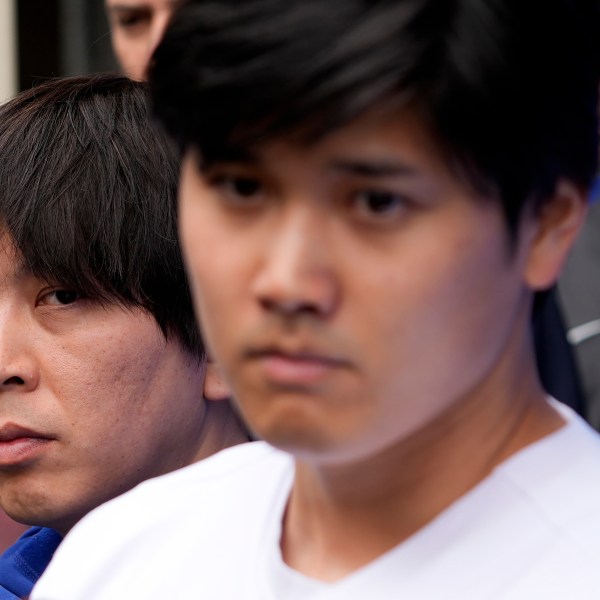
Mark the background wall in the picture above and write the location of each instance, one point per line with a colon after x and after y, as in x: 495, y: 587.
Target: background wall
x: 61, y: 37
x: 46, y: 38
x: 8, y: 49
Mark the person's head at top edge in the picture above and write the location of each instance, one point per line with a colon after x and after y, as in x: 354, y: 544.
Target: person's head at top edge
x: 104, y: 376
x: 383, y: 186
x: 137, y: 27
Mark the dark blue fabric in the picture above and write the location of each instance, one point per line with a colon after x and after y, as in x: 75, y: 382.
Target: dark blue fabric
x: 25, y: 561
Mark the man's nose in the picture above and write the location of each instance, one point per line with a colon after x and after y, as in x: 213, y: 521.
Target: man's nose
x: 18, y: 368
x: 297, y: 274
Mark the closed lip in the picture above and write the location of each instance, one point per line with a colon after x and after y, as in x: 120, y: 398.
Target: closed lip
x: 300, y: 355
x: 296, y: 369
x: 10, y: 432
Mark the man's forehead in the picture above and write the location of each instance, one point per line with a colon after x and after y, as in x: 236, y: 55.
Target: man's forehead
x: 13, y: 267
x: 8, y: 247
x: 379, y: 129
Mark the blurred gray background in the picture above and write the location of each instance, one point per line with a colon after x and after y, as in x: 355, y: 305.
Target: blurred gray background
x: 45, y: 38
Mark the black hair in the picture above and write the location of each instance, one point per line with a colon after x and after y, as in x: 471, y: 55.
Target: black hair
x: 508, y: 88
x: 88, y: 196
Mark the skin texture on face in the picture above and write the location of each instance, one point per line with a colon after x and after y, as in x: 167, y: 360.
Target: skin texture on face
x: 137, y: 27
x: 357, y: 292
x: 94, y: 399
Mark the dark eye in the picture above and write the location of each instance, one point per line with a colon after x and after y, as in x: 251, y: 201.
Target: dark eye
x: 378, y: 204
x: 239, y: 190
x: 243, y: 186
x: 66, y: 296
x: 59, y: 297
x: 131, y: 19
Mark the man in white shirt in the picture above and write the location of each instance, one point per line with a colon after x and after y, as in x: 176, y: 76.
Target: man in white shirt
x: 384, y: 187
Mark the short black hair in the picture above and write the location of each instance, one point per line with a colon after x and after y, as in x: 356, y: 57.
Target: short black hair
x: 88, y: 194
x: 508, y: 88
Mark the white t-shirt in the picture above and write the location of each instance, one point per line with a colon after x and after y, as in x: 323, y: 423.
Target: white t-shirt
x: 530, y: 530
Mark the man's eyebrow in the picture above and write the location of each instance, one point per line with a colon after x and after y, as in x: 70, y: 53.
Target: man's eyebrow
x: 228, y: 156
x: 120, y: 8
x: 125, y: 7
x: 373, y: 167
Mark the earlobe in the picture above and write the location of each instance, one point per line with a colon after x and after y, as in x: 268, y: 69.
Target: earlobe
x: 215, y: 386
x: 555, y: 230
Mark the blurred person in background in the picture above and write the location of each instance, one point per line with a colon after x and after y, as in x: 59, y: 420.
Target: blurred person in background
x: 104, y: 378
x: 137, y: 26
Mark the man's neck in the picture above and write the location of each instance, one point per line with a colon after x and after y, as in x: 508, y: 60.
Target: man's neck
x: 222, y: 428
x: 388, y: 497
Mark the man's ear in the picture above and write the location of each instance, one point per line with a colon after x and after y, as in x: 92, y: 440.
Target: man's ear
x: 215, y: 386
x: 555, y: 229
